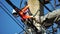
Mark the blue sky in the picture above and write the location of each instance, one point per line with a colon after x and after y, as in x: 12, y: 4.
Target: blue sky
x: 7, y: 24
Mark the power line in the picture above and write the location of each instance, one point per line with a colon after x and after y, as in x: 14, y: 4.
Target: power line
x: 55, y: 4
x: 7, y: 9
x: 10, y: 12
x: 21, y: 3
x: 45, y: 6
x: 52, y: 6
x: 12, y: 18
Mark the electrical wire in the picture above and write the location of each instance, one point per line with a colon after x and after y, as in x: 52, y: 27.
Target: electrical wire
x: 13, y: 18
x: 55, y: 18
x: 49, y: 11
x: 45, y: 6
x: 55, y: 4
x: 5, y: 7
x: 58, y: 5
x: 21, y: 3
x: 11, y: 13
x: 20, y: 32
x: 52, y: 6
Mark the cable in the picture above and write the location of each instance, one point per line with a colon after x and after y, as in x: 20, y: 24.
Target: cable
x: 55, y: 4
x: 21, y: 3
x: 45, y: 6
x: 58, y: 5
x: 20, y: 32
x: 12, y: 18
x: 13, y: 6
x: 48, y: 10
x: 11, y: 13
x: 52, y: 6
